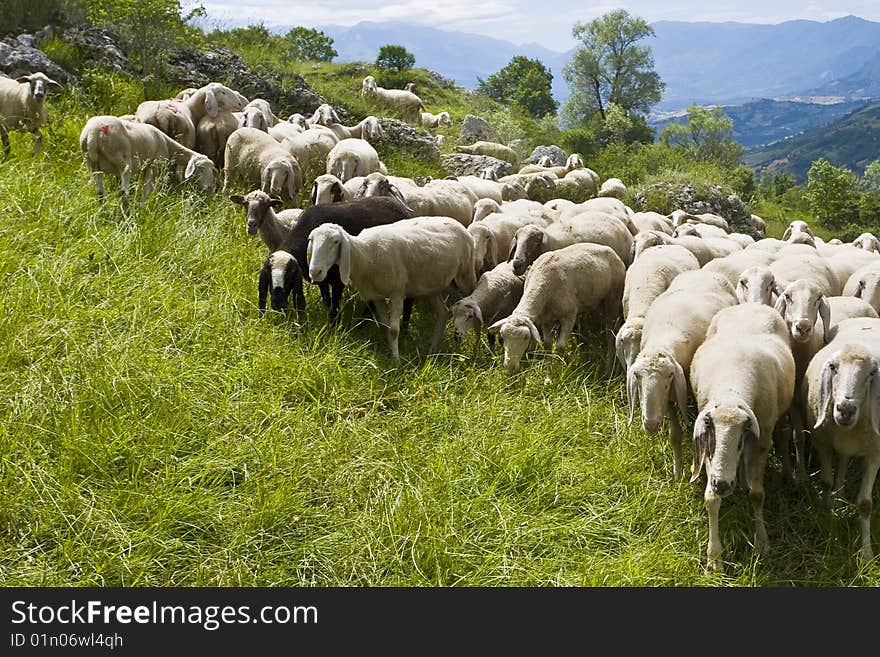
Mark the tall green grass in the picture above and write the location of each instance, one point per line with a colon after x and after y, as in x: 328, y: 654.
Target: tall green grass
x: 154, y: 430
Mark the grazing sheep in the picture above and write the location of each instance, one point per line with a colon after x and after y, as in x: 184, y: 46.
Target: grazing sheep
x: 733, y: 265
x: 352, y: 157
x: 274, y: 228
x: 413, y: 258
x: 559, y: 287
x: 865, y: 284
x: 121, y: 148
x: 743, y: 380
x: 758, y: 224
x: 614, y: 188
x: 868, y: 242
x: 646, y: 279
x: 178, y: 119
x: 645, y: 221
x: 405, y: 103
x: 253, y: 156
x: 285, y: 130
x: 282, y: 275
x: 328, y: 188
x: 493, y: 236
x: 842, y: 391
x: 531, y: 241
x: 492, y: 149
x: 440, y: 198
x: 353, y: 216
x: 704, y: 249
x: 311, y: 148
x: 433, y: 121
x: 495, y: 296
x: 369, y: 130
x: 258, y: 114
x: 213, y: 132
x: 545, y: 165
x: 23, y: 107
x: 674, y: 327
x: 679, y: 217
x: 482, y: 188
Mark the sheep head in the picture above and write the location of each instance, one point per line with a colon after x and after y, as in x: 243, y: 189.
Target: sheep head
x: 868, y: 289
x: 201, y: 169
x: 868, y: 242
x: 517, y: 333
x: 796, y: 227
x: 279, y: 274
x: 757, y: 285
x: 801, y: 304
x: 329, y: 245
x: 650, y: 379
x: 628, y: 340
x: 721, y: 433
x: 847, y: 381
x: 484, y: 207
x: 527, y: 245
x: 466, y: 316
x: 377, y: 184
x: 217, y: 98
x: 327, y: 189
x: 38, y: 83
x: 256, y: 205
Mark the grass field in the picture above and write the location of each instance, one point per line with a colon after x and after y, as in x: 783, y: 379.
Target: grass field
x: 155, y: 431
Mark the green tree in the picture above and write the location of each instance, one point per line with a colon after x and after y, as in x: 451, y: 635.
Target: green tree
x: 617, y: 123
x: 610, y: 67
x: 304, y: 44
x: 832, y: 193
x: 395, y: 58
x: 774, y: 184
x: 707, y: 135
x: 871, y: 177
x: 524, y: 83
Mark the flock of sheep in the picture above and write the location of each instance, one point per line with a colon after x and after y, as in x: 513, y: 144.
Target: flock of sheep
x: 773, y: 339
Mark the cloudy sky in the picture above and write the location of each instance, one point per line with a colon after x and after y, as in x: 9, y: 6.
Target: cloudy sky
x: 547, y: 22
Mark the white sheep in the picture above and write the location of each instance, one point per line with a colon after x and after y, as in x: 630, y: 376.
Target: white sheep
x: 252, y: 155
x: 679, y: 217
x: 796, y: 227
x: 758, y: 224
x: 646, y: 279
x: 842, y: 392
x: 645, y: 221
x: 185, y: 94
x: 178, y: 119
x: 494, y: 234
x: 491, y: 149
x: 405, y: 103
x: 756, y: 284
x: 273, y: 227
x: 213, y: 132
x: 847, y: 259
x: 258, y: 114
x: 369, y: 130
x: 614, y: 188
x: 23, y: 107
x: 495, y: 296
x: 705, y: 231
x: 559, y: 287
x: 311, y: 148
x: 410, y: 259
x: 445, y: 198
x: 353, y: 157
x: 121, y: 148
x: 674, y: 327
x: 868, y: 242
x: 285, y: 130
x: 704, y: 249
x: 865, y: 284
x: 743, y: 378
x: 433, y: 121
x: 545, y: 165
x: 732, y: 266
x: 324, y: 115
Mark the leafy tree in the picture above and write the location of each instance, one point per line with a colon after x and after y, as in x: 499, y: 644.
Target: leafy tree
x: 871, y: 177
x: 611, y: 67
x: 774, y: 184
x: 832, y: 193
x: 524, y: 83
x: 707, y: 135
x: 304, y: 44
x: 617, y: 123
x: 395, y: 58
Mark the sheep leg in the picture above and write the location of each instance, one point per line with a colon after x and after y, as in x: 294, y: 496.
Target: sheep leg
x: 715, y: 549
x: 125, y: 181
x: 547, y: 334
x: 98, y: 177
x: 565, y: 328
x: 38, y: 140
x: 324, y: 287
x: 336, y: 289
x: 442, y: 313
x: 4, y: 137
x: 393, y: 323
x: 756, y: 464
x: 797, y: 427
x: 147, y: 184
x: 872, y: 463
x: 826, y: 473
x: 675, y: 439
x: 781, y: 438
x: 407, y: 313
x: 610, y: 353
x: 840, y: 474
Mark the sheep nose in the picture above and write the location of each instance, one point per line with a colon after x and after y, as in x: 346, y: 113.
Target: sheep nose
x: 801, y: 329
x: 651, y: 426
x: 721, y: 487
x: 845, y: 413
x: 316, y: 274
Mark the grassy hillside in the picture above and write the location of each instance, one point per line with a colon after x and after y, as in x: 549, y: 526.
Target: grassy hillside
x: 155, y: 431
x: 852, y: 141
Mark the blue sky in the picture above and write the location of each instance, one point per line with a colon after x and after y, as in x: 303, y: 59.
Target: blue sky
x: 547, y: 22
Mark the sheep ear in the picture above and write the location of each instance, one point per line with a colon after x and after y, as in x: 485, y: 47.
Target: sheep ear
x: 265, y: 274
x: 276, y: 202
x: 632, y: 391
x: 826, y: 385
x: 512, y: 251
x: 241, y: 120
x: 780, y: 304
x: 345, y: 259
x: 497, y: 326
x: 741, y: 291
x: 291, y: 182
x: 679, y: 384
x: 536, y: 336
x: 825, y: 314
x: 190, y: 167
x: 703, y: 429
x: 264, y: 179
x: 315, y: 193
x: 478, y: 314
x: 874, y: 400
x: 335, y: 116
x: 23, y: 78
x: 399, y: 196
x: 211, y: 103
x: 493, y: 250
x: 336, y: 191
x: 776, y: 289
x: 237, y: 198
x: 754, y: 427
x: 53, y: 83
x: 786, y: 234
x: 859, y: 290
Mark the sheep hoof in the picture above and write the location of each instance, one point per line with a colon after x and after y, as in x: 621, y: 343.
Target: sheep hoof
x: 715, y: 565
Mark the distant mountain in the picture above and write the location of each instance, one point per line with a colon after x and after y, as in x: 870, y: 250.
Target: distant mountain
x: 760, y: 123
x: 864, y: 83
x: 852, y: 141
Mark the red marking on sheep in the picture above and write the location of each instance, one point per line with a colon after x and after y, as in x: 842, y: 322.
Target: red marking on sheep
x: 105, y: 129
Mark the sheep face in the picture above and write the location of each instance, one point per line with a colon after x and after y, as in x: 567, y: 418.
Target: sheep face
x: 466, y: 316
x: 253, y: 117
x: 646, y: 240
x: 372, y: 129
x: 869, y: 289
x: 443, y: 118
x: 488, y: 174
x: 484, y: 207
x: 848, y: 381
x: 801, y: 304
x: 220, y: 98
x: 756, y: 285
x: 517, y: 333
x: 484, y: 247
x: 324, y: 115
x: 802, y: 238
x: 298, y: 119
x: 513, y: 192
x: 868, y: 242
x: 720, y: 436
x: 628, y: 340
x: 368, y: 85
x: 545, y: 161
x: 573, y: 162
x: 376, y: 184
x: 649, y: 380
x: 527, y: 245
x: 201, y: 169
x: 327, y: 189
x: 279, y: 275
x: 256, y: 205
x: 38, y: 84
x: 328, y: 246
x: 685, y: 229
x: 796, y: 227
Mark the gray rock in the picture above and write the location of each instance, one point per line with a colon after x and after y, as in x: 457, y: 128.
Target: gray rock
x: 17, y: 59
x: 557, y: 156
x: 99, y: 45
x: 463, y: 164
x: 473, y: 128
x: 27, y: 40
x: 401, y: 136
x: 664, y: 197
